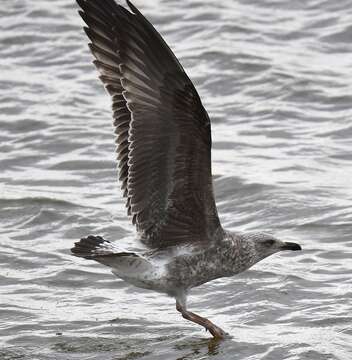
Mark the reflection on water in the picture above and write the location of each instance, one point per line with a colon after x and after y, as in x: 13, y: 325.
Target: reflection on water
x: 275, y: 78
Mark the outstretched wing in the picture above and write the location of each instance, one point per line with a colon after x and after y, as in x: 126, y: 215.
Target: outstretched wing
x: 162, y: 128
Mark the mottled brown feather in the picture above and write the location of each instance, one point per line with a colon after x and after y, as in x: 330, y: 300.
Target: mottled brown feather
x: 163, y: 131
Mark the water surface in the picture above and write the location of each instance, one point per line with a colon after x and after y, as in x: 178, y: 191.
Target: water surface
x: 275, y: 77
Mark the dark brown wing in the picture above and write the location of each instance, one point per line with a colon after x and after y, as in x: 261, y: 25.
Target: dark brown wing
x: 163, y: 130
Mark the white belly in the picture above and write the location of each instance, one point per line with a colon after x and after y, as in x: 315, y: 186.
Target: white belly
x: 142, y: 273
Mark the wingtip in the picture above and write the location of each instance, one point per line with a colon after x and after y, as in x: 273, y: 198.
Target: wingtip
x: 132, y: 7
x: 87, y: 30
x: 81, y: 3
x: 83, y: 16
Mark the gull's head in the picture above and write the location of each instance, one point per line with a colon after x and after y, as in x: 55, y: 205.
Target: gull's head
x: 265, y: 245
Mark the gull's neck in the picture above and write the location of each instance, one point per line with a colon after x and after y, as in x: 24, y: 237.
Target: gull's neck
x: 244, y: 254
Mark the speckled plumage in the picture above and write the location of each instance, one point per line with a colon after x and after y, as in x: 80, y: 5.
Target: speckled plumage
x: 177, y: 269
x: 164, y: 159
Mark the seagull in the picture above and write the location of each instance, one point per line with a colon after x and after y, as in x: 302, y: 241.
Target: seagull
x: 164, y: 162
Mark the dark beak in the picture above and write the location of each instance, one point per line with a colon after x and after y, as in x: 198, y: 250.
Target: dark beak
x: 291, y: 246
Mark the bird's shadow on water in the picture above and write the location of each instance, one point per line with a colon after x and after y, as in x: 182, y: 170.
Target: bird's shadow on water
x: 124, y: 338
x: 194, y: 347
x: 167, y: 347
x: 201, y: 348
x: 175, y: 344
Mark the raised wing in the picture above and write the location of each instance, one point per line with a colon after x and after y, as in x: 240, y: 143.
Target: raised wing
x: 162, y: 128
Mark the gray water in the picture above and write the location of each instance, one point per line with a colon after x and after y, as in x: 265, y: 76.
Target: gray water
x: 276, y: 79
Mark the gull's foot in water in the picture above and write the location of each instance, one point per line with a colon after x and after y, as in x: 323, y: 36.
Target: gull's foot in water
x: 217, y: 332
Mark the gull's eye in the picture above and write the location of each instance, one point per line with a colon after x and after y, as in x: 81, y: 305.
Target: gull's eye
x: 269, y: 242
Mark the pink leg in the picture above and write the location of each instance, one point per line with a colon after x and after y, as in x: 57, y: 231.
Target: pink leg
x: 213, y: 329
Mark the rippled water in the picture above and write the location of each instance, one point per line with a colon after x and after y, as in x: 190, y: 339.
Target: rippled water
x: 276, y: 79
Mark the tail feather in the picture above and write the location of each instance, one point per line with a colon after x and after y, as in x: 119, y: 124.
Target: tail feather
x: 105, y: 252
x: 93, y: 246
